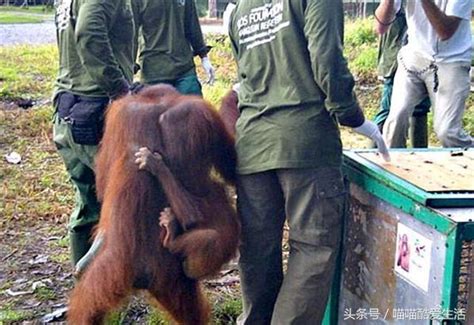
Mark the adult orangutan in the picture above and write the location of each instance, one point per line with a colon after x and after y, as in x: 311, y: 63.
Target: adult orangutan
x: 177, y: 141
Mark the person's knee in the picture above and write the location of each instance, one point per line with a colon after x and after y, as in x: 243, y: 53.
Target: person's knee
x: 401, y: 113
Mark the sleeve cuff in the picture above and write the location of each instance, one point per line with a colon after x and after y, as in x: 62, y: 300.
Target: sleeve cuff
x: 121, y: 90
x: 352, y: 119
x: 202, y: 51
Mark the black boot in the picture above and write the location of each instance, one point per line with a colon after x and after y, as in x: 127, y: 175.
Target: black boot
x: 419, y: 131
x: 86, y: 260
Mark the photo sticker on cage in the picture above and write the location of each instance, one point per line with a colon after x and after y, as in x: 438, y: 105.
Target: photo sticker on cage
x: 413, y: 257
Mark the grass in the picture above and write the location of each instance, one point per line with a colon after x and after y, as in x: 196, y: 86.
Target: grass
x: 15, y: 18
x: 226, y: 309
x: 360, y: 49
x: 11, y: 316
x: 31, y: 14
x: 43, y: 10
x: 36, y: 195
x: 226, y: 70
x: 27, y: 72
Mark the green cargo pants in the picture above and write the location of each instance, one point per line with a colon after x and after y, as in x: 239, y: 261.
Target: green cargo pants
x: 187, y: 84
x: 313, y: 202
x: 79, y: 161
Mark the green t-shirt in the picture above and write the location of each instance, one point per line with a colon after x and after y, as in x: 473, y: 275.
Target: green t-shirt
x: 170, y: 37
x: 390, y: 44
x: 294, y: 84
x: 95, y: 40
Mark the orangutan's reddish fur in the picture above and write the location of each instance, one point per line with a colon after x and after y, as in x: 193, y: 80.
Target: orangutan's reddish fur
x: 229, y: 111
x: 192, y: 140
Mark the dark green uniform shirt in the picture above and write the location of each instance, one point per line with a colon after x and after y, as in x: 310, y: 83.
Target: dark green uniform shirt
x: 171, y: 36
x: 294, y: 84
x: 95, y: 40
x: 390, y: 44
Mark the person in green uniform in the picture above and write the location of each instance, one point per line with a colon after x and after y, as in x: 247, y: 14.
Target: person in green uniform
x: 169, y: 37
x: 95, y: 41
x: 295, y: 88
x: 390, y: 43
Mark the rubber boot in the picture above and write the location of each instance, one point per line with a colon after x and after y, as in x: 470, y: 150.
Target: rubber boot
x: 419, y: 131
x: 86, y: 260
x: 80, y: 243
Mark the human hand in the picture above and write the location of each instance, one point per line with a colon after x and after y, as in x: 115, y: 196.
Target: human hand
x: 370, y: 130
x: 136, y: 87
x: 207, y: 66
x: 122, y: 91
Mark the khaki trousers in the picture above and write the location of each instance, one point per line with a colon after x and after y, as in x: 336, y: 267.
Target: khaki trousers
x: 448, y: 101
x: 313, y: 202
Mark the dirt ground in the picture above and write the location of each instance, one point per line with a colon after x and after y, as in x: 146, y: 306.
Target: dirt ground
x: 36, y: 277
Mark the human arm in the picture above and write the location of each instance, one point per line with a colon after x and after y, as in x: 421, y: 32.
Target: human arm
x: 137, y: 18
x: 94, y: 47
x: 330, y: 70
x: 444, y: 25
x: 385, y: 15
x: 331, y: 74
x: 195, y: 38
x: 193, y: 30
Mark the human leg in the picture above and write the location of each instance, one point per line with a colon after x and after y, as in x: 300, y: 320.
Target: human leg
x: 188, y: 85
x: 384, y: 107
x: 315, y: 205
x: 261, y: 207
x: 408, y: 89
x: 449, y: 104
x: 79, y: 162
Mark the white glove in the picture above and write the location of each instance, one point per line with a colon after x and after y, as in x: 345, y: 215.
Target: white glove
x: 370, y: 130
x: 207, y: 66
x: 236, y: 87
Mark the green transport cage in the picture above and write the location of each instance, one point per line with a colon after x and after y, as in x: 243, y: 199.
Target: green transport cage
x: 408, y: 252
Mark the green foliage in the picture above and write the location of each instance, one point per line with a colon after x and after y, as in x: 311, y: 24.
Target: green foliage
x: 226, y: 310
x: 152, y: 317
x: 157, y: 317
x: 364, y: 63
x: 226, y: 69
x: 468, y: 120
x: 202, y: 7
x: 359, y: 32
x: 8, y: 316
x: 44, y: 293
x: 361, y: 48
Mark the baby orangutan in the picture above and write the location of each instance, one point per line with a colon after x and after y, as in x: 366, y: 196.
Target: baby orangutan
x: 197, y: 245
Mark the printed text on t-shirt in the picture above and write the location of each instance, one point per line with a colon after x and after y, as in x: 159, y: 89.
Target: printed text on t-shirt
x: 261, y: 25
